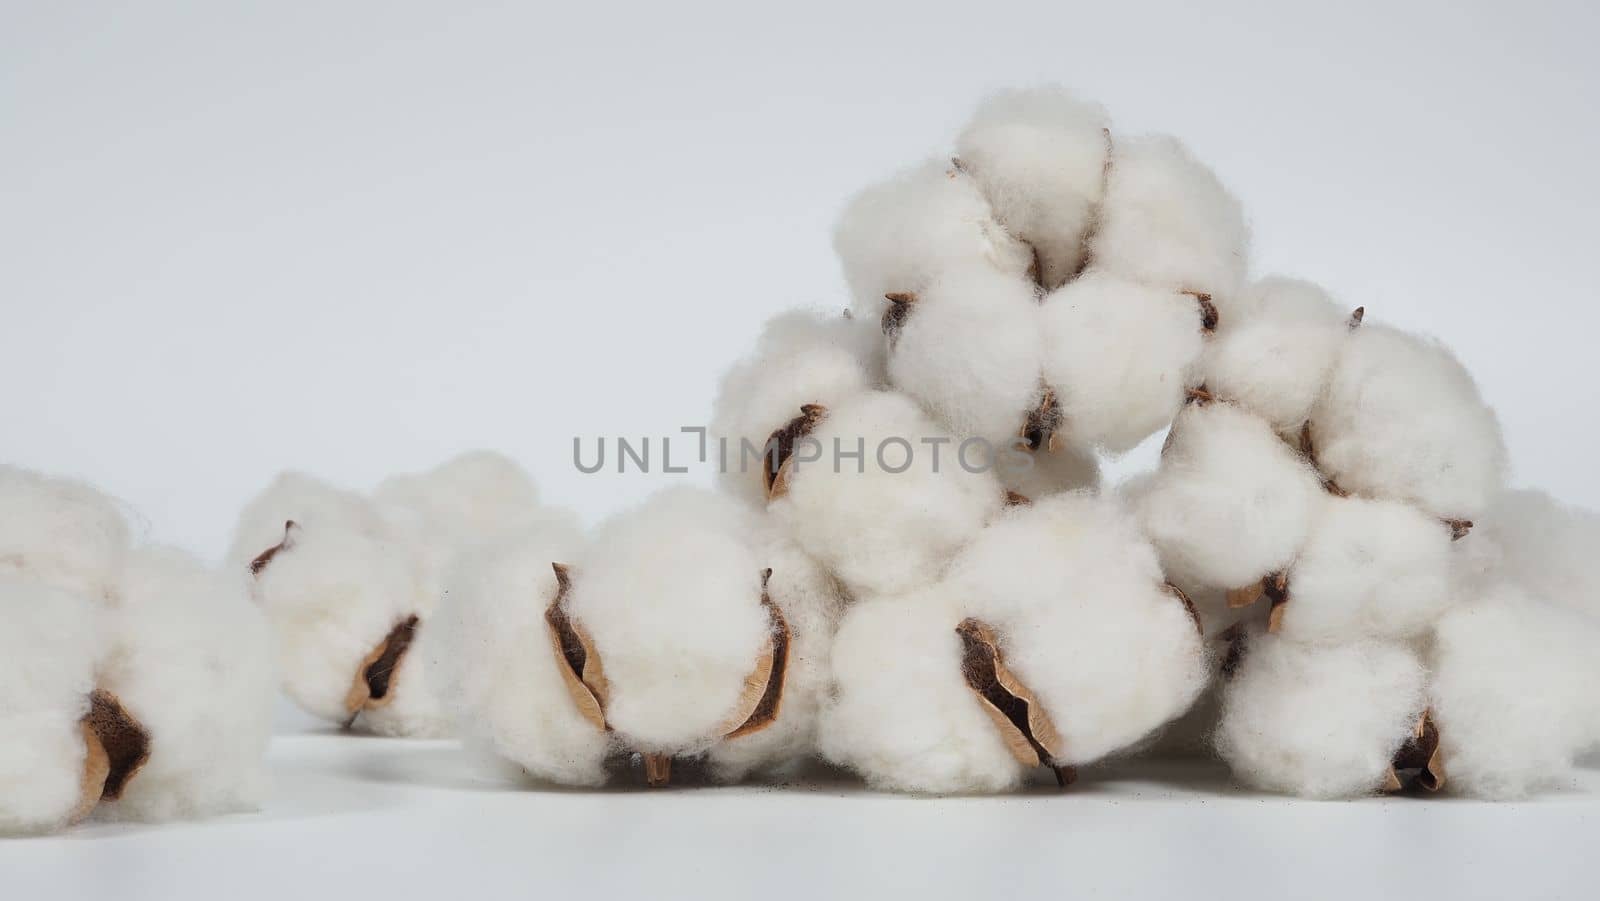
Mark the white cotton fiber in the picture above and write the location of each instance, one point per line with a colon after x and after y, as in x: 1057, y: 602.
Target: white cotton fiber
x: 878, y: 530
x: 1076, y: 596
x: 1041, y: 473
x: 902, y: 714
x: 48, y: 651
x: 1319, y: 721
x: 506, y: 684
x: 1119, y: 356
x: 970, y: 351
x: 1039, y: 155
x: 1230, y: 503
x: 332, y: 593
x: 1369, y: 569
x: 1275, y: 361
x: 191, y: 661
x: 1168, y: 222
x: 671, y: 593
x: 1513, y: 694
x: 476, y: 493
x: 897, y: 236
x: 60, y: 532
x: 801, y: 358
x: 1402, y: 419
x: 1534, y: 541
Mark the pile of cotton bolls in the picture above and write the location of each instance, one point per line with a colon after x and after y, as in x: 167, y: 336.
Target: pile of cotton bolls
x: 1317, y: 499
x: 135, y: 683
x: 350, y: 583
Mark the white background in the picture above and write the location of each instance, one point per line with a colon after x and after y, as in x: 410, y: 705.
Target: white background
x: 357, y: 238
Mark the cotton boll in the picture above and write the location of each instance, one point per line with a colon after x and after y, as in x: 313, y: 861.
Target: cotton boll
x: 1275, y: 361
x: 810, y: 602
x: 505, y: 684
x: 1119, y: 357
x: 902, y: 715
x: 802, y: 358
x: 477, y: 493
x: 1402, y: 419
x: 1532, y: 540
x: 1076, y: 596
x: 1230, y: 503
x: 1040, y: 157
x: 48, y: 651
x: 1375, y: 569
x: 191, y: 661
x: 339, y: 582
x: 970, y: 350
x: 1513, y: 694
x: 1168, y: 222
x: 1319, y: 721
x: 878, y: 530
x: 61, y: 532
x: 671, y: 593
x: 897, y: 236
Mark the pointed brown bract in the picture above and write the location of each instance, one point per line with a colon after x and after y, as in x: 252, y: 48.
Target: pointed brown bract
x: 1458, y: 528
x: 1418, y: 763
x: 1023, y: 724
x: 1013, y: 499
x: 762, y: 697
x: 1244, y: 597
x: 657, y: 769
x: 1188, y: 604
x: 1356, y: 316
x: 776, y: 465
x: 894, y: 315
x: 116, y: 747
x: 1042, y: 427
x: 1209, y: 317
x: 1276, y: 589
x: 375, y: 676
x: 576, y: 658
x: 266, y: 556
x: 1199, y: 395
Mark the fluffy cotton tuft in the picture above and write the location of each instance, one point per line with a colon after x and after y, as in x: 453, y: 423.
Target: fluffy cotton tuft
x: 897, y: 236
x: 801, y: 358
x: 476, y: 493
x: 1230, y: 503
x: 191, y: 661
x: 1039, y: 155
x: 1167, y: 221
x: 1044, y: 472
x: 1275, y: 361
x: 881, y: 531
x: 60, y: 532
x: 1532, y: 540
x: 970, y: 352
x: 1119, y: 356
x: 1319, y: 721
x: 902, y: 714
x: 1369, y: 569
x: 1075, y: 593
x: 671, y: 593
x: 1402, y: 419
x: 1513, y: 694
x: 506, y: 686
x: 48, y: 651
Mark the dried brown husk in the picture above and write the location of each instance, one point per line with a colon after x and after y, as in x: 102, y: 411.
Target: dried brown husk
x: 116, y: 747
x: 1418, y: 764
x: 371, y: 688
x: 779, y: 460
x: 896, y: 313
x: 1042, y: 427
x: 265, y: 557
x: 1188, y: 605
x: 762, y: 698
x: 576, y: 657
x: 1022, y: 722
x: 1209, y: 317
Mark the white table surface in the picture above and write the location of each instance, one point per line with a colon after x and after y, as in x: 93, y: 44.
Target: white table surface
x: 355, y: 817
